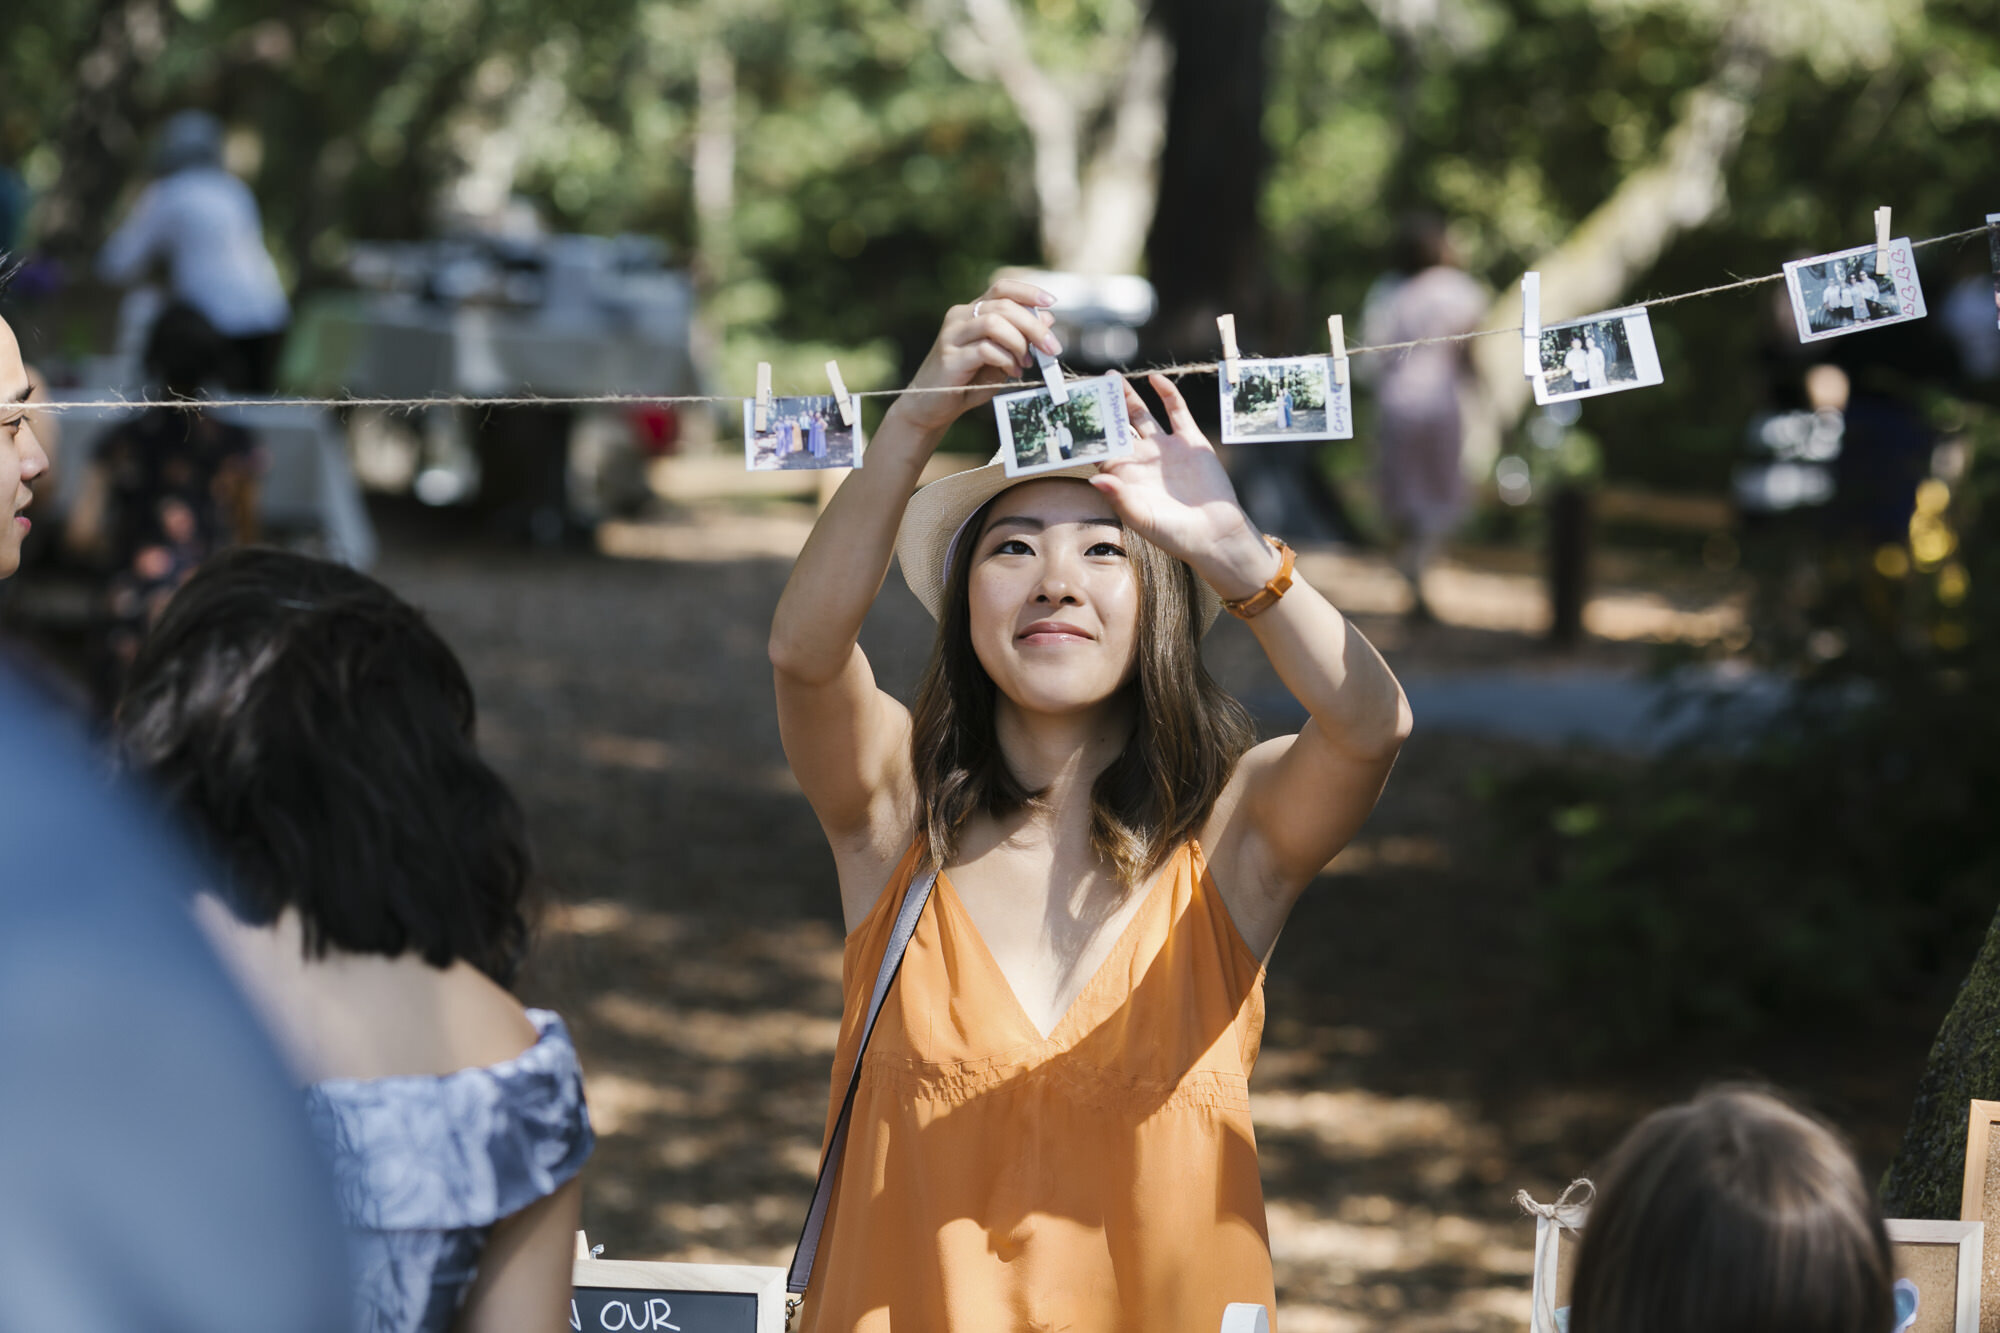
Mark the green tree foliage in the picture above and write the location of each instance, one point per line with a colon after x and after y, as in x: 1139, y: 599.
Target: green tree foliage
x: 876, y: 181
x: 1837, y: 860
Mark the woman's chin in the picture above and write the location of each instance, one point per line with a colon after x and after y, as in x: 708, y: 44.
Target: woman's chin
x: 1060, y: 699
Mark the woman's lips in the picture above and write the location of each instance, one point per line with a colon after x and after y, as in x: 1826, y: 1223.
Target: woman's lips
x: 1052, y: 632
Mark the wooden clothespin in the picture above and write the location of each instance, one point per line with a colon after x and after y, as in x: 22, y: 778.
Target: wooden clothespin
x: 1336, y: 333
x: 763, y: 396
x: 1531, y: 324
x: 1882, y: 229
x: 582, y: 1246
x: 1052, y: 375
x: 840, y: 395
x: 1230, y: 355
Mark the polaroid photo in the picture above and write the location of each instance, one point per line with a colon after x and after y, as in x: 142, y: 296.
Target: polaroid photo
x: 1842, y: 293
x: 1993, y: 244
x: 802, y: 434
x: 1038, y: 434
x: 1296, y: 398
x: 1605, y: 353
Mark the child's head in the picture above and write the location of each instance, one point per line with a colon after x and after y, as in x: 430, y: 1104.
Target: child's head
x: 1732, y: 1213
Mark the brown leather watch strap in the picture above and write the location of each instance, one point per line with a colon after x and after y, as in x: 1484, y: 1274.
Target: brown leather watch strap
x: 1267, y: 596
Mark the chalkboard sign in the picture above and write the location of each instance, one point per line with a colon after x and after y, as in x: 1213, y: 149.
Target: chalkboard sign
x: 618, y: 1296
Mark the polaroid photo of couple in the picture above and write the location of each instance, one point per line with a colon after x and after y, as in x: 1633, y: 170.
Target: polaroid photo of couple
x: 1038, y: 434
x: 1842, y: 293
x: 1605, y: 353
x: 801, y: 434
x: 1296, y: 398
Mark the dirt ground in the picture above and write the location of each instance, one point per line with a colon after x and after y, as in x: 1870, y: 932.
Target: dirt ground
x: 1414, y: 1075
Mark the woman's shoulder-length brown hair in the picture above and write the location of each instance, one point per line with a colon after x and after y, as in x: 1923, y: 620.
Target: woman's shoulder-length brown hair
x: 1187, y: 734
x: 1732, y: 1213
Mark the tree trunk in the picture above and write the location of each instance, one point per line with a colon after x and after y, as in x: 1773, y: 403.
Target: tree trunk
x: 1683, y: 189
x: 1928, y: 1172
x: 1097, y: 138
x: 1205, y: 252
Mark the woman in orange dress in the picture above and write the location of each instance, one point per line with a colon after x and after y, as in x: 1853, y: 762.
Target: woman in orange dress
x: 1052, y: 1129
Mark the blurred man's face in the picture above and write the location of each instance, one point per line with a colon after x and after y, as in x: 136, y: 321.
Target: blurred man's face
x: 21, y: 456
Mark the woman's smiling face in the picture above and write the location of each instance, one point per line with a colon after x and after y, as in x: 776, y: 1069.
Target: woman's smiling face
x: 1053, y: 597
x: 21, y: 456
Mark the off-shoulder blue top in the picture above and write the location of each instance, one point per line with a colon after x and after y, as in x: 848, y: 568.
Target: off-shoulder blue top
x: 424, y: 1166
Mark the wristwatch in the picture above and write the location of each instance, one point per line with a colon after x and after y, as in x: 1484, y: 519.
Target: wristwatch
x: 1262, y: 600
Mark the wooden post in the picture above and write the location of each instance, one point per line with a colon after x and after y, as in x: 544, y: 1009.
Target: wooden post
x: 1569, y: 562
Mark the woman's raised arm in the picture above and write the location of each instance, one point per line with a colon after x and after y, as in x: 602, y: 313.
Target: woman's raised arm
x: 847, y: 741
x: 1296, y: 800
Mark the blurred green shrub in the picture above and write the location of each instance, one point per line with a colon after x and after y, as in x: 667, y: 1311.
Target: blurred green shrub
x: 1842, y: 855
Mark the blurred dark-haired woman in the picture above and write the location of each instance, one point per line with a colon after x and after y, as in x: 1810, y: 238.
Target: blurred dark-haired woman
x: 318, y: 735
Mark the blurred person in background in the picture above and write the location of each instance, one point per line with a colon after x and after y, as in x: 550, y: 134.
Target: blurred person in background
x: 203, y: 224
x: 1733, y: 1213
x: 317, y: 734
x: 1420, y: 429
x: 166, y: 489
x: 156, y: 1172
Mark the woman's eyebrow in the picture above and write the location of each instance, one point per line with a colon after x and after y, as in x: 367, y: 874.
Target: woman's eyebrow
x: 1016, y: 521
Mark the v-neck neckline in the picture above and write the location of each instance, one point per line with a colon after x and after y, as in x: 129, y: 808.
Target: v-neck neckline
x: 1118, y: 947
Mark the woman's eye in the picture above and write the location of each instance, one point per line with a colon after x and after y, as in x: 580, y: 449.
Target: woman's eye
x: 1106, y: 548
x: 1013, y: 546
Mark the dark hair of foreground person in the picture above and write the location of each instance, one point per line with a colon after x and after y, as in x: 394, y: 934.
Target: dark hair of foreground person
x: 1732, y: 1213
x: 317, y: 734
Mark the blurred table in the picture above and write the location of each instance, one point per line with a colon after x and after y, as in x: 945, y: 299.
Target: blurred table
x: 307, y: 490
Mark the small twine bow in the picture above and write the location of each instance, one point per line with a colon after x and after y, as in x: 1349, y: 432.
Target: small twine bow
x: 1551, y: 1220
x: 1562, y: 1212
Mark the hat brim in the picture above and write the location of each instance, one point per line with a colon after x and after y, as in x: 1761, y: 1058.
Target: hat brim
x: 937, y: 513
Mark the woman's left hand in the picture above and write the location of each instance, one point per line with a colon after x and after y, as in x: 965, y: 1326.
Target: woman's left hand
x: 1172, y: 490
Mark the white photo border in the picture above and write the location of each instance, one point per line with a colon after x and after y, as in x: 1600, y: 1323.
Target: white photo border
x: 1110, y: 392
x: 750, y: 431
x: 1638, y: 335
x: 1337, y: 392
x: 1902, y: 272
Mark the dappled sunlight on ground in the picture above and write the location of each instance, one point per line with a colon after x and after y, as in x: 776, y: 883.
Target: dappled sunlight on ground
x: 1410, y: 1081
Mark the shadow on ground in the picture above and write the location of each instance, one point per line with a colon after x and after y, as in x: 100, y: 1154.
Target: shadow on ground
x: 1413, y: 1075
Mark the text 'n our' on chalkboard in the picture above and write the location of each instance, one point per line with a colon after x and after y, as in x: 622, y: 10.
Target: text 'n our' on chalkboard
x: 637, y: 1310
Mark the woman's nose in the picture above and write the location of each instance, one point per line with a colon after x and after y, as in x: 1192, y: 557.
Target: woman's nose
x: 1056, y: 585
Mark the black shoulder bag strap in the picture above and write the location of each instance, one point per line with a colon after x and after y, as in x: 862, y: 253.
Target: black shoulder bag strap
x: 914, y: 899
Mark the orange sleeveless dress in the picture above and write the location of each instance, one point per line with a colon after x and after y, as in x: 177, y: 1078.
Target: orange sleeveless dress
x: 1101, y: 1178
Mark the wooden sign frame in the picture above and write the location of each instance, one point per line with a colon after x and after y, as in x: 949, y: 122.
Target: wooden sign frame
x: 1981, y: 1119
x: 766, y: 1284
x: 1970, y: 1240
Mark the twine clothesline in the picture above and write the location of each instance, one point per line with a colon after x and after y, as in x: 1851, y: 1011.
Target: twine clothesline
x: 1175, y: 371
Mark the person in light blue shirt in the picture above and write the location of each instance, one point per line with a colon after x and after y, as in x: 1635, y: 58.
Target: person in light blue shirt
x: 156, y: 1171
x: 317, y: 734
x: 203, y: 225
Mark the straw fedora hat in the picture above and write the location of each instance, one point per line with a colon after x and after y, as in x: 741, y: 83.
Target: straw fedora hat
x: 939, y: 512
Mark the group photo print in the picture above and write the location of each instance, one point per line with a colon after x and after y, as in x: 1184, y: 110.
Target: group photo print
x: 1038, y: 434
x: 1845, y: 293
x: 801, y: 434
x: 1294, y: 398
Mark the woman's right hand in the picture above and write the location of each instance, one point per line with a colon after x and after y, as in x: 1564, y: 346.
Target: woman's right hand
x: 985, y: 343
